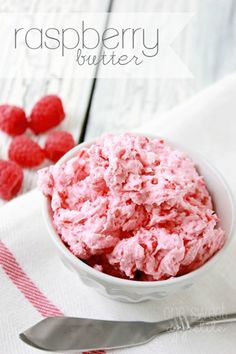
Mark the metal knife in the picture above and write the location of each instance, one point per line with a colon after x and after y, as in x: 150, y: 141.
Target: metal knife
x: 83, y: 334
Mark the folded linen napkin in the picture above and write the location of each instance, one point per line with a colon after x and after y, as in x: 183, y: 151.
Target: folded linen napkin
x: 35, y: 284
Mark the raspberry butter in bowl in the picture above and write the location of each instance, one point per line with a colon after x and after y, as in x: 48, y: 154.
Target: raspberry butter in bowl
x: 137, y: 218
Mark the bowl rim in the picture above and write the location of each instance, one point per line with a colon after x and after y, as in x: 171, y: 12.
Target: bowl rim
x: 128, y: 282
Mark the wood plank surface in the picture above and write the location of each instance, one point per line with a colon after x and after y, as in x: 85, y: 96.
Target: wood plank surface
x: 208, y: 47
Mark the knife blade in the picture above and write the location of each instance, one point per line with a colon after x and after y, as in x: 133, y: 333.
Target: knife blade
x: 68, y: 333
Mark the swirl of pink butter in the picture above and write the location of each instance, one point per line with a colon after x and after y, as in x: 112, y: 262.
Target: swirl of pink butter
x: 133, y: 207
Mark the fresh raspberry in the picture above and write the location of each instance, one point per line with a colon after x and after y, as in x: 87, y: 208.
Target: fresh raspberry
x: 57, y: 144
x: 25, y: 152
x: 12, y: 120
x: 11, y: 178
x: 47, y: 113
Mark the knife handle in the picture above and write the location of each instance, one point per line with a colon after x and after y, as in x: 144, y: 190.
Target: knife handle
x: 213, y: 320
x: 187, y: 322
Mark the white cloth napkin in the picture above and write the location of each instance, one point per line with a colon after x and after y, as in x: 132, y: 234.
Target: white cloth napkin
x: 29, y: 266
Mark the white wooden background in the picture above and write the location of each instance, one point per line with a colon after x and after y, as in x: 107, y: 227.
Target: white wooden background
x: 207, y: 45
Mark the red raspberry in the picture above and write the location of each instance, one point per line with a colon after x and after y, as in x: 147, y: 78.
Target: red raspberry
x: 57, y: 144
x: 47, y: 113
x: 11, y: 178
x: 12, y: 119
x: 25, y: 152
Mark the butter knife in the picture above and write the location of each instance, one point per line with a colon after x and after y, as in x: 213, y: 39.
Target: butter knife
x: 83, y: 334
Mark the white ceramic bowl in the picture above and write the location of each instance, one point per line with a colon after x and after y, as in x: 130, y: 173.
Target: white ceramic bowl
x: 137, y: 291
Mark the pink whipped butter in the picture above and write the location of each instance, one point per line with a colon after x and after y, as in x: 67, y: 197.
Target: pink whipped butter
x: 133, y: 207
